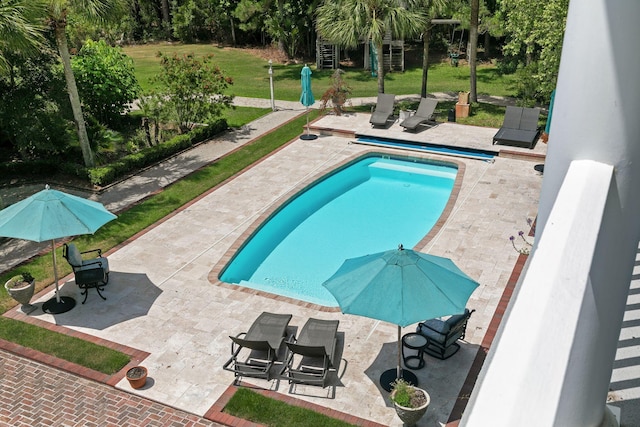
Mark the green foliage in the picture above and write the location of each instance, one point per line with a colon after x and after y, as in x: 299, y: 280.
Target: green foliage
x: 106, y: 80
x: 21, y: 28
x: 189, y: 21
x: 407, y: 395
x: 34, y: 117
x: 107, y: 174
x: 193, y: 89
x: 252, y: 406
x: 535, y: 31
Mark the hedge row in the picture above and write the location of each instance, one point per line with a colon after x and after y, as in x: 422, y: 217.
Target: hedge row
x: 107, y: 174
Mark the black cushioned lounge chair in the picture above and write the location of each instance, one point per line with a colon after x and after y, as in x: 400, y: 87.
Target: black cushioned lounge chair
x: 423, y: 115
x: 383, y: 109
x: 254, y: 353
x: 312, y: 354
x: 442, y: 334
x: 520, y: 127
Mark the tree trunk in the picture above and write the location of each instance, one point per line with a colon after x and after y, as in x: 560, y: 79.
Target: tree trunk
x: 381, y: 71
x: 72, y: 89
x: 487, y: 44
x: 473, y: 45
x: 166, y: 17
x: 147, y: 131
x: 425, y: 60
x: 233, y: 31
x: 280, y: 15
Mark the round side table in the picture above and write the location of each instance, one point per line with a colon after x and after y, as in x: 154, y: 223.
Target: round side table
x: 416, y: 342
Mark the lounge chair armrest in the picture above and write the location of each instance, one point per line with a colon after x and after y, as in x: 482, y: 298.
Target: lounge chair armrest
x: 92, y: 262
x: 99, y: 251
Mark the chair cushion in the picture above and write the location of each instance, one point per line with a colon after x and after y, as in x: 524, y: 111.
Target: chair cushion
x: 73, y: 254
x: 453, y: 320
x: 434, y: 329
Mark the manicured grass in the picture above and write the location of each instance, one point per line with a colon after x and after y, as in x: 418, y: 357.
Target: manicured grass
x: 76, y: 350
x: 251, y: 78
x: 249, y: 405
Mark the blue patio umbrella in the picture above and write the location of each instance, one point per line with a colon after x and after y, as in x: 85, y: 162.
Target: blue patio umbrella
x: 50, y: 215
x: 401, y: 287
x: 306, y: 98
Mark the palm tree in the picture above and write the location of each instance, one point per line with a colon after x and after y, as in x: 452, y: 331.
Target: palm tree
x: 432, y: 8
x: 20, y: 29
x: 350, y: 22
x: 58, y: 12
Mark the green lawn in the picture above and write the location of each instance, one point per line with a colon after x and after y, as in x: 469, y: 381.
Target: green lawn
x: 251, y: 78
x: 249, y: 405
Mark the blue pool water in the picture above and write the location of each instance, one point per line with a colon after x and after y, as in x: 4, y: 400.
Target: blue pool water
x: 370, y: 206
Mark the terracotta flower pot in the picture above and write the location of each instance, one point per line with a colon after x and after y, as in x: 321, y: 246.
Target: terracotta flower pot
x: 137, y: 376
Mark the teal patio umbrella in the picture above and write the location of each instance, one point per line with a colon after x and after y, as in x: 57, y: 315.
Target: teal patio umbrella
x: 403, y: 287
x: 50, y: 215
x: 306, y: 98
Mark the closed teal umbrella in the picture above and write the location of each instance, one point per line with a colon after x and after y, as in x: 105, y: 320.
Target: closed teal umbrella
x: 50, y: 215
x: 401, y: 287
x: 306, y: 98
x: 373, y: 58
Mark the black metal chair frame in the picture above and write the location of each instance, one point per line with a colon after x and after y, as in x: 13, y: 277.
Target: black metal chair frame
x: 91, y: 274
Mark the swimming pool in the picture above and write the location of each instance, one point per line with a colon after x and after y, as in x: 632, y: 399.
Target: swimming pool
x: 370, y: 205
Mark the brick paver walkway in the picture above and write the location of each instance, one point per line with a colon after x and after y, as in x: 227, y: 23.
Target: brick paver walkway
x: 32, y: 394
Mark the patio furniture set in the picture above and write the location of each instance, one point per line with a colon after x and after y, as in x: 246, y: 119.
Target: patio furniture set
x: 267, y: 351
x: 520, y: 127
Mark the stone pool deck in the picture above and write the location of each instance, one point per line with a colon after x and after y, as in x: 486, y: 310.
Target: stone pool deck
x: 165, y: 304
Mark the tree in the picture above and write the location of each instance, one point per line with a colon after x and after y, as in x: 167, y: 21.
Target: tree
x: 349, y: 22
x: 432, y: 8
x: 106, y: 80
x: 473, y: 48
x: 21, y: 29
x: 58, y: 15
x: 535, y: 31
x: 193, y: 89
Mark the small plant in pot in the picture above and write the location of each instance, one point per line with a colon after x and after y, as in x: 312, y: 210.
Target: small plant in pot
x: 21, y: 288
x: 410, y: 402
x: 137, y: 376
x: 338, y: 95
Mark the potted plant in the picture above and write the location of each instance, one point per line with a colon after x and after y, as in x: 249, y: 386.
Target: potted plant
x: 137, y: 376
x: 405, y: 109
x: 21, y: 289
x: 411, y: 402
x: 339, y: 94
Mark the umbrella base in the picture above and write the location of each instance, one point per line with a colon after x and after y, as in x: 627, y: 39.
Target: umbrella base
x: 54, y: 307
x: 389, y: 376
x: 308, y: 137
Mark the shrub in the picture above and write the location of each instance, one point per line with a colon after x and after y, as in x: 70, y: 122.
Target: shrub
x: 107, y: 174
x: 106, y: 80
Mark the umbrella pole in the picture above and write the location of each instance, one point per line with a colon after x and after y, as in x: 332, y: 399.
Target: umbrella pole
x: 307, y: 121
x: 399, y: 373
x: 58, y: 304
x: 55, y: 269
